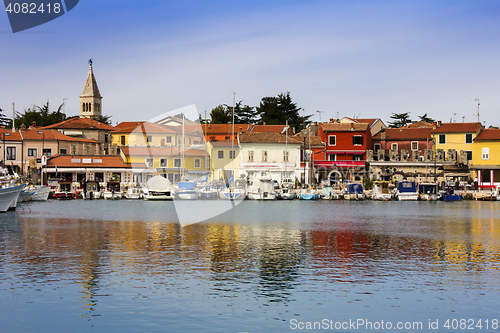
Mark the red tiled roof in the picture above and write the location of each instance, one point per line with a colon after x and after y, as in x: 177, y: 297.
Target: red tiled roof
x: 392, y: 134
x: 271, y: 128
x: 161, y: 151
x: 147, y: 127
x: 315, y: 140
x: 457, y: 128
x: 225, y: 128
x: 266, y: 137
x: 419, y: 124
x: 344, y: 127
x: 9, y: 135
x: 93, y: 161
x: 51, y: 134
x: 224, y: 143
x: 369, y: 121
x: 488, y: 134
x: 80, y: 123
x: 125, y: 124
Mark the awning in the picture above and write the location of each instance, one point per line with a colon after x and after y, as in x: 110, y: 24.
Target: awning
x: 345, y: 152
x: 86, y: 169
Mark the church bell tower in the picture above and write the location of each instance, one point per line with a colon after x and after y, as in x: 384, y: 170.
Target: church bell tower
x: 91, y: 99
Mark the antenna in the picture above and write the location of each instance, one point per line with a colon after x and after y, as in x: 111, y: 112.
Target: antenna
x: 477, y: 113
x: 454, y: 117
x: 320, y: 112
x: 64, y: 105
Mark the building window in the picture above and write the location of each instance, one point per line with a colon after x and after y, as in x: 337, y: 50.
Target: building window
x: 163, y: 162
x: 149, y: 138
x: 414, y: 145
x: 197, y: 163
x: 250, y: 156
x: 332, y: 140
x: 221, y: 153
x: 32, y: 152
x: 376, y: 147
x: 231, y: 154
x: 357, y: 140
x: 47, y: 151
x: 177, y: 163
x: 332, y: 157
x: 442, y: 139
x: 122, y: 140
x: 357, y: 157
x: 486, y: 153
x: 228, y: 138
x: 394, y: 146
x: 169, y: 139
x: 468, y: 138
x: 62, y: 151
x: 149, y: 162
x: 285, y: 156
x: 137, y: 178
x: 264, y: 156
x: 469, y: 155
x: 11, y: 153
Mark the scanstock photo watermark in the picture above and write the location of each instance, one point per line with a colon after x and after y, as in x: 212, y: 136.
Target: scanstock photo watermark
x: 25, y: 15
x: 381, y: 325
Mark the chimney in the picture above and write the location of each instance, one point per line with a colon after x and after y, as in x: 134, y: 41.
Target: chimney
x: 439, y: 123
x: 264, y: 123
x: 91, y: 121
x: 23, y: 128
x: 33, y: 124
x: 434, y: 125
x: 331, y: 120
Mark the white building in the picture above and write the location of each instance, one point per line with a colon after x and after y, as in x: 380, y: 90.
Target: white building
x: 272, y: 154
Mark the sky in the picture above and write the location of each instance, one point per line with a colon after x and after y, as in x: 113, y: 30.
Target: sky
x: 364, y: 59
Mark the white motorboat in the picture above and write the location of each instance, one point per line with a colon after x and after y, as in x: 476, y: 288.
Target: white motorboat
x: 41, y: 193
x: 381, y: 191
x: 285, y: 193
x: 262, y: 189
x: 66, y: 190
x: 187, y: 191
x: 91, y: 190
x: 207, y: 193
x: 428, y: 192
x: 113, y: 191
x: 9, y: 195
x: 133, y: 193
x: 407, y: 191
x: 354, y: 191
x: 158, y: 188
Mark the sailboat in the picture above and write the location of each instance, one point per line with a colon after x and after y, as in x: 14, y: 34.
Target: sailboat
x: 231, y: 190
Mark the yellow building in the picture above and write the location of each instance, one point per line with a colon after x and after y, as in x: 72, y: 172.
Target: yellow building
x: 458, y: 136
x: 169, y: 162
x: 486, y: 158
x: 224, y: 158
x: 148, y: 134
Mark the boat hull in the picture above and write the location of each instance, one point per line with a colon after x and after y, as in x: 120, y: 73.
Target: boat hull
x: 9, y: 197
x: 41, y: 193
x: 233, y: 194
x: 413, y: 196
x: 65, y: 195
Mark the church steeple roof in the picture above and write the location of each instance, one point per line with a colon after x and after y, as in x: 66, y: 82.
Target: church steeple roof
x: 90, y: 88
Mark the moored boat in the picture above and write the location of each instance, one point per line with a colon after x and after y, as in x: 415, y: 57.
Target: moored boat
x: 186, y: 191
x: 262, y: 189
x: 207, y: 193
x: 158, y: 188
x: 449, y: 195
x: 354, y: 191
x: 133, y: 193
x: 9, y: 196
x: 65, y: 191
x: 407, y: 191
x: 381, y: 191
x: 285, y: 193
x: 308, y: 194
x: 41, y: 193
x: 427, y: 192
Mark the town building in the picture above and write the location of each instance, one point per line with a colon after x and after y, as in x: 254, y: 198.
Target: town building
x: 272, y: 154
x: 486, y: 158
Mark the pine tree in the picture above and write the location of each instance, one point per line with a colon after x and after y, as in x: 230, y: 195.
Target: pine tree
x: 4, y: 121
x: 400, y: 120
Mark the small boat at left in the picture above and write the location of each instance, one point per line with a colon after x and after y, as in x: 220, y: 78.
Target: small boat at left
x: 66, y: 190
x: 9, y: 196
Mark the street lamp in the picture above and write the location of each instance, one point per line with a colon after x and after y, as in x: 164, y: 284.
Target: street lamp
x: 43, y: 154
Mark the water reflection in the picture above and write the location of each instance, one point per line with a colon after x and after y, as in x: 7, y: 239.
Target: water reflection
x: 333, y: 249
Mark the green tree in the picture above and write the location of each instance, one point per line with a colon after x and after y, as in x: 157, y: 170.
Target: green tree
x: 220, y: 115
x: 400, y: 120
x: 426, y: 119
x: 104, y: 119
x: 40, y: 115
x: 4, y: 121
x: 243, y: 114
x: 278, y: 110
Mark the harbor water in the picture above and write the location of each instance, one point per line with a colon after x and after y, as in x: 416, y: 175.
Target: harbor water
x: 132, y: 266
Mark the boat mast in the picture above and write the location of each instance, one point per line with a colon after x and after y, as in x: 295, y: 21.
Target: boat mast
x: 232, y: 144
x: 286, y: 148
x: 183, y: 166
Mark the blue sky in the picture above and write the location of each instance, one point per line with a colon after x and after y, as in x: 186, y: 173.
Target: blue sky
x: 367, y: 59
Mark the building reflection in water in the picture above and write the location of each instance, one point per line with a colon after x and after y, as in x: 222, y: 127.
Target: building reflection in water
x: 269, y: 261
